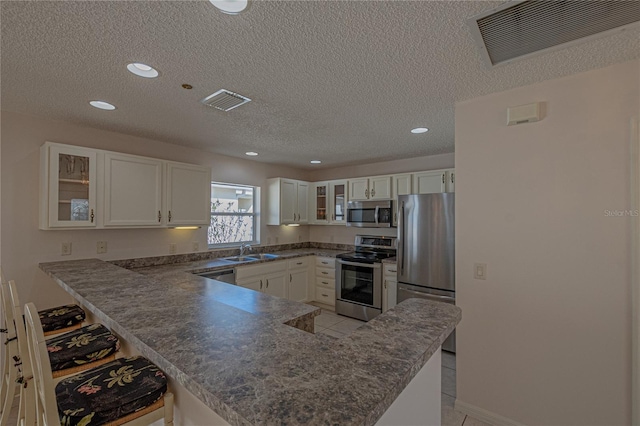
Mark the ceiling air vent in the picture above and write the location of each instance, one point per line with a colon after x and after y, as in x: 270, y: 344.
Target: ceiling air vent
x: 521, y: 29
x: 225, y: 100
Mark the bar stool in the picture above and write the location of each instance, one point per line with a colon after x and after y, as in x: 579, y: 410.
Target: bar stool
x: 69, y: 353
x: 125, y: 391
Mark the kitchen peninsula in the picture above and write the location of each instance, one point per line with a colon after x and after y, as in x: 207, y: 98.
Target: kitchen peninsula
x: 245, y: 355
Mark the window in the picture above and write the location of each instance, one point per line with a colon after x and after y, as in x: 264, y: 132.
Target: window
x: 233, y: 214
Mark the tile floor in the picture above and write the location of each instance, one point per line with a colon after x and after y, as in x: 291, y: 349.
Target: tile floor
x: 338, y: 326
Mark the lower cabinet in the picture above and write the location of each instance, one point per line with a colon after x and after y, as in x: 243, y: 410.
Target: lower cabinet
x: 288, y: 279
x: 325, y: 280
x: 299, y: 279
x: 389, y: 286
x: 270, y: 278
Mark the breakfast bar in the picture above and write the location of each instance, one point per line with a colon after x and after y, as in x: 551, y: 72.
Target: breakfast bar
x: 246, y: 355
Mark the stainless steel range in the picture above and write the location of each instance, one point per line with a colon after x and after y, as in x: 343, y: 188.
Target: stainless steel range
x: 359, y: 277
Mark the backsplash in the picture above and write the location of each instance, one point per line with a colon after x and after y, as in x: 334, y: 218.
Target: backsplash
x: 143, y: 262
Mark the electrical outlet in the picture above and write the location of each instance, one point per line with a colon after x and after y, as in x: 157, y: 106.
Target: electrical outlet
x: 195, y: 246
x: 101, y: 247
x: 480, y: 271
x: 65, y: 249
x: 276, y: 240
x: 173, y: 248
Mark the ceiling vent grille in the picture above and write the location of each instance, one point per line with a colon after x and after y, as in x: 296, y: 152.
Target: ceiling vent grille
x: 529, y: 27
x: 225, y: 100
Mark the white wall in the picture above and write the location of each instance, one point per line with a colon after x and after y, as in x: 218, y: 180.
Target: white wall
x: 23, y: 246
x: 546, y: 339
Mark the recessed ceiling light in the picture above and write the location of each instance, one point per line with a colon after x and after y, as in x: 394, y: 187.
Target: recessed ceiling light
x: 102, y: 105
x: 251, y: 153
x: 315, y: 162
x: 231, y: 7
x: 419, y: 130
x: 142, y: 70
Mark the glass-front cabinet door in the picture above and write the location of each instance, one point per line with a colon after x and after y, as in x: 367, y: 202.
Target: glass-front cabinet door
x: 321, y: 203
x: 338, y: 194
x: 71, y: 187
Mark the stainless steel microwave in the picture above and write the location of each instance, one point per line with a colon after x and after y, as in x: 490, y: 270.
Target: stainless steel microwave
x: 371, y: 214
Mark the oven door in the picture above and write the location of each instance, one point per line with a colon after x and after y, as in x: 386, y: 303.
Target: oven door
x: 359, y: 283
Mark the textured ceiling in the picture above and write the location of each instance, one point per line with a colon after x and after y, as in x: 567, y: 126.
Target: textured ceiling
x: 339, y: 81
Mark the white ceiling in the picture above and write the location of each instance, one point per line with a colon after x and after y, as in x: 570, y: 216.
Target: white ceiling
x: 338, y: 81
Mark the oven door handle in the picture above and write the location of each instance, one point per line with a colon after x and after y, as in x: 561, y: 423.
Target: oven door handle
x: 362, y: 265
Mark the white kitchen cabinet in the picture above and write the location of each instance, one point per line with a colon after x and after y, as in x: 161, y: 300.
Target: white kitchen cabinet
x: 188, y: 195
x: 132, y: 190
x: 328, y: 203
x: 68, y: 187
x: 298, y: 279
x: 401, y: 185
x: 325, y: 280
x: 373, y: 188
x: 287, y: 201
x: 269, y: 277
x: 429, y: 182
x: 389, y: 286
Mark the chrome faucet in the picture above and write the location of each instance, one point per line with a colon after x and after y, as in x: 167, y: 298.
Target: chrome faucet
x: 244, y: 247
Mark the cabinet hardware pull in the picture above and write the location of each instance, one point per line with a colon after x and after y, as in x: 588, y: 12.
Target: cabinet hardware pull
x: 159, y: 216
x: 326, y: 273
x: 267, y: 283
x: 452, y: 174
x: 299, y: 263
x: 443, y: 178
x: 325, y: 263
x: 92, y: 215
x: 385, y: 284
x: 260, y: 284
x: 325, y: 295
x: 324, y: 282
x: 373, y: 193
x: 366, y: 193
x: 290, y: 278
x: 169, y: 215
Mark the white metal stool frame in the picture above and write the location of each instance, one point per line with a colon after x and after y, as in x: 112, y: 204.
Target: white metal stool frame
x: 45, y: 396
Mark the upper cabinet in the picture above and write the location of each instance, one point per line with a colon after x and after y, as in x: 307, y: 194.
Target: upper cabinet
x: 433, y: 181
x: 328, y: 203
x: 83, y: 188
x: 188, y: 195
x: 373, y: 188
x: 287, y: 201
x: 67, y: 187
x: 401, y: 185
x: 132, y: 190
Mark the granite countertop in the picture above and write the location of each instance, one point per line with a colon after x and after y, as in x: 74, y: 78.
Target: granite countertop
x: 232, y: 349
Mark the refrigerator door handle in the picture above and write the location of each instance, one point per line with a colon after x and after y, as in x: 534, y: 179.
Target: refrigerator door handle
x: 423, y: 295
x: 402, y: 239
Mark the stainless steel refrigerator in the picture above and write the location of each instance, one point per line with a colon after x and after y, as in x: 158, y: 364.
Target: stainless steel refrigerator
x: 426, y: 250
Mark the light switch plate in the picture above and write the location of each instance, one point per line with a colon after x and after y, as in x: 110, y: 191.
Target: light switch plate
x: 480, y: 271
x: 65, y: 249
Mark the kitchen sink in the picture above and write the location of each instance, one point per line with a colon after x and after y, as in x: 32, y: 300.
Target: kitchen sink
x: 242, y: 258
x: 252, y: 257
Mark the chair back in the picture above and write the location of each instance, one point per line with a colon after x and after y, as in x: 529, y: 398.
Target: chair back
x: 47, y: 408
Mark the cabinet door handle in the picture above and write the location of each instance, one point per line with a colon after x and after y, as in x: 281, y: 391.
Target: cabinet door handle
x: 392, y: 270
x: 290, y: 278
x: 385, y: 284
x: 325, y: 263
x: 326, y: 273
x: 298, y: 263
x: 325, y: 295
x: 159, y: 216
x: 324, y: 282
x: 452, y: 175
x: 366, y: 193
x: 92, y: 216
x: 169, y: 215
x: 443, y: 178
x: 267, y: 283
x: 260, y: 284
x: 373, y: 193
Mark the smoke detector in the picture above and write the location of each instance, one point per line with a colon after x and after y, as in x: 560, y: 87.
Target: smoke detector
x: 225, y: 100
x: 521, y: 29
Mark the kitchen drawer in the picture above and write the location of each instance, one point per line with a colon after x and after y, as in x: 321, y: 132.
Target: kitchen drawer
x: 326, y: 273
x: 390, y: 269
x: 299, y: 263
x: 328, y: 297
x: 328, y: 283
x: 325, y: 262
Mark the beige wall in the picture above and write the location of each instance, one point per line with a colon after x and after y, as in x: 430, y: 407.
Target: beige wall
x: 23, y: 246
x: 546, y: 339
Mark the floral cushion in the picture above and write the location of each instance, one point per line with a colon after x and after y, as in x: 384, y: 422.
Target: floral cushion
x: 61, y: 317
x: 86, y: 344
x: 109, y: 392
